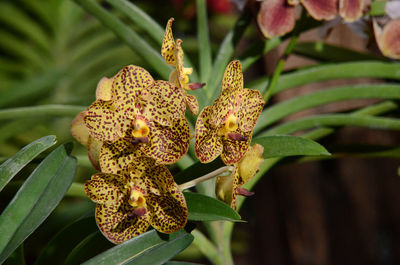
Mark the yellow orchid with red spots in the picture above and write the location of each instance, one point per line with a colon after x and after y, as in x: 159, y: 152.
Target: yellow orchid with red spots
x: 225, y: 128
x: 132, y: 105
x: 128, y: 203
x: 227, y: 188
x: 173, y: 55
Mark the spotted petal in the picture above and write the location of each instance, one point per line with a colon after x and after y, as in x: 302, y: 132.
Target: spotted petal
x: 351, y: 10
x: 104, y: 88
x: 102, y: 121
x: 119, y: 224
x: 106, y: 189
x: 251, y: 104
x: 168, y: 44
x: 167, y: 144
x: 192, y: 104
x: 127, y: 88
x: 208, y: 144
x: 222, y: 106
x: 164, y: 199
x: 234, y: 149
x: 93, y: 148
x: 118, y: 156
x: 321, y: 10
x: 233, y: 77
x: 276, y: 18
x: 165, y: 104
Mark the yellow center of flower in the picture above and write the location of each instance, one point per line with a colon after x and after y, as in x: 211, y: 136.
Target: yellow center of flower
x: 137, y: 199
x: 140, y: 129
x: 231, y: 123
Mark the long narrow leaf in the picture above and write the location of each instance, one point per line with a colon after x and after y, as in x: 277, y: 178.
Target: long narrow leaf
x: 225, y: 53
x: 335, y: 120
x: 13, y: 165
x: 163, y: 252
x: 280, y: 110
x: 36, y: 199
x: 147, y: 24
x: 203, y: 40
x: 130, y: 37
x: 369, y: 69
x: 326, y: 52
x: 40, y: 111
x: 133, y: 249
x: 63, y: 242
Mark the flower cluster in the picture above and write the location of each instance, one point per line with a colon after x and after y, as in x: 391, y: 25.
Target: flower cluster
x: 277, y: 17
x: 137, y: 126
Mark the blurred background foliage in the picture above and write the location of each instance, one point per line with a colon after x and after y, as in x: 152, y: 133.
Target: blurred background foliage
x: 342, y: 211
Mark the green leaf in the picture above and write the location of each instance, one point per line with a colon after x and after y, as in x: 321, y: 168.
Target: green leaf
x: 17, y: 257
x: 139, y: 18
x: 130, y: 37
x: 325, y: 52
x: 370, y: 69
x: 335, y: 120
x: 286, y: 145
x: 40, y: 111
x: 377, y: 8
x: 36, y: 199
x: 13, y: 165
x: 163, y: 252
x: 30, y: 88
x: 94, y: 244
x: 203, y: 40
x: 205, y: 208
x: 180, y: 263
x: 57, y: 250
x: 140, y: 249
x: 283, y: 109
x: 225, y: 53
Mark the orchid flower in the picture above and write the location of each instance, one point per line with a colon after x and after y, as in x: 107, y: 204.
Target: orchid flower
x: 128, y: 203
x: 227, y: 188
x: 225, y: 128
x: 277, y: 17
x: 144, y: 111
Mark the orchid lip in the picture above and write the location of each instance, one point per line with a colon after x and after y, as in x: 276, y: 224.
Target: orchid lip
x: 237, y: 136
x: 244, y: 192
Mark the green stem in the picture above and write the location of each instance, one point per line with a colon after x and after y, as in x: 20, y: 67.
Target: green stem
x: 225, y: 52
x: 206, y: 247
x: 38, y: 111
x: 208, y: 176
x: 76, y: 190
x: 278, y: 70
x: 203, y: 40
